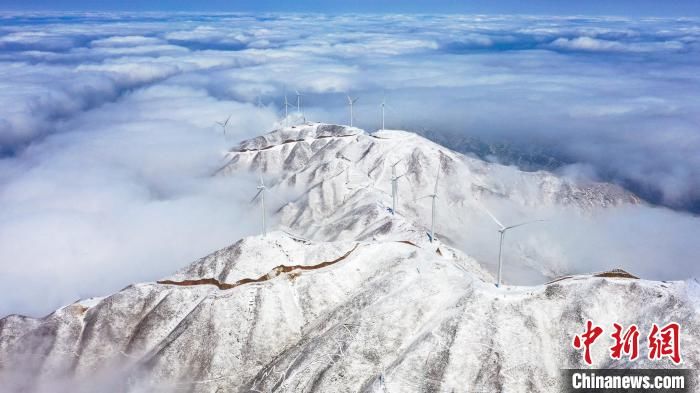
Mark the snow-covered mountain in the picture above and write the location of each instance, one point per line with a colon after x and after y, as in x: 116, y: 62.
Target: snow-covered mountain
x: 330, y: 182
x: 343, y: 296
x: 340, y: 172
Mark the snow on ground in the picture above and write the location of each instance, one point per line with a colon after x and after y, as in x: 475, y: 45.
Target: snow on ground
x: 347, y: 297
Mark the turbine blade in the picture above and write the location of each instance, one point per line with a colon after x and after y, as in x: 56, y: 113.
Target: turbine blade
x: 437, y: 178
x: 522, y: 223
x: 492, y: 217
x: 256, y: 196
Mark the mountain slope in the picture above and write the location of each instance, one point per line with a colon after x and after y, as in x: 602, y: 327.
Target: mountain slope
x: 347, y: 297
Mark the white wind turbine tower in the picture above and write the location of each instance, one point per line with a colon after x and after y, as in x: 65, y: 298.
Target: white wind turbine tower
x: 502, y: 231
x: 261, y: 193
x: 351, y: 102
x: 394, y: 186
x: 224, y: 124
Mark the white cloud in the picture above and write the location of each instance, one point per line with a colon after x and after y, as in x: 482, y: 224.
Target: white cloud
x: 126, y: 41
x: 600, y: 45
x: 126, y: 195
x: 650, y: 242
x: 588, y: 43
x: 36, y: 39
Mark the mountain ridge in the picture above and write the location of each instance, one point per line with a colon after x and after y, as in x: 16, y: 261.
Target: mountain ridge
x: 344, y: 295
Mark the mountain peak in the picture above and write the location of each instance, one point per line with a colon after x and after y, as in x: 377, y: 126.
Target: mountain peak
x: 297, y: 133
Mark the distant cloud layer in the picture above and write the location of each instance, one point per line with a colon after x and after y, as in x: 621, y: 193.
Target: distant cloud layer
x: 107, y: 120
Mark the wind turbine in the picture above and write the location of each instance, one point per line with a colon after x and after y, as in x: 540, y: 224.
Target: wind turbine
x: 394, y: 186
x: 286, y: 110
x: 261, y: 193
x: 300, y: 107
x: 383, y: 106
x: 434, y: 196
x: 502, y: 232
x: 224, y: 124
x: 352, y: 101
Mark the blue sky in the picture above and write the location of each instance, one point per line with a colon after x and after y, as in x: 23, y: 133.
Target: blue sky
x: 549, y: 7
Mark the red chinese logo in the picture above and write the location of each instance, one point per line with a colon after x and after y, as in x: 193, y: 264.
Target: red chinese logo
x: 586, y: 339
x: 663, y: 342
x: 627, y: 344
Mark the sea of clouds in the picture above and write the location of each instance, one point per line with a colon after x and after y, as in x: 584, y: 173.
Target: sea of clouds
x: 108, y: 137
